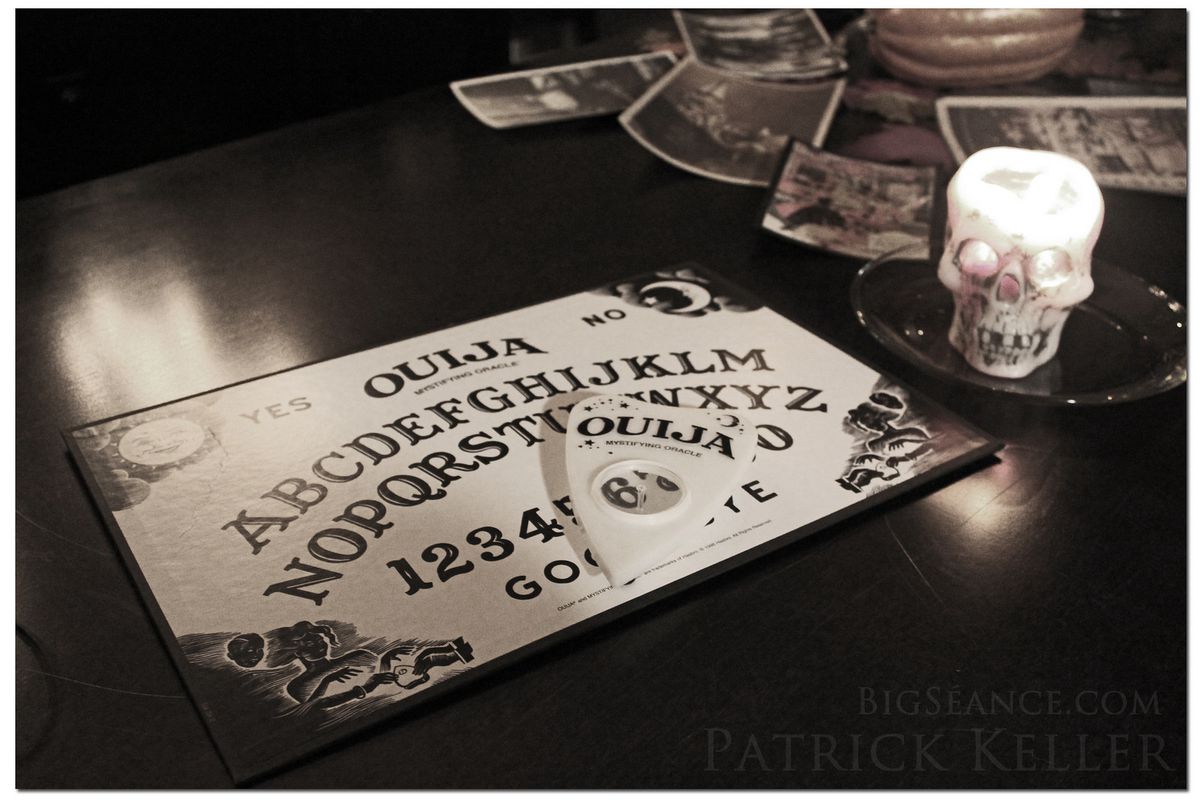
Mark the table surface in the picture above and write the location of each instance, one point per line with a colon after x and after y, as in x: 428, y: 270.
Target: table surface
x: 1055, y: 570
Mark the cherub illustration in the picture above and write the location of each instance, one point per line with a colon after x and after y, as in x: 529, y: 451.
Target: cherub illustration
x: 311, y: 646
x: 888, y: 447
x: 864, y: 470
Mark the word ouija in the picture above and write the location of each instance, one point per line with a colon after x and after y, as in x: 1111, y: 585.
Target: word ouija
x: 427, y: 479
x: 657, y: 429
x: 424, y: 367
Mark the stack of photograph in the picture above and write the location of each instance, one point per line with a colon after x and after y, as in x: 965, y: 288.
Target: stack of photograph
x: 748, y: 84
x: 745, y: 98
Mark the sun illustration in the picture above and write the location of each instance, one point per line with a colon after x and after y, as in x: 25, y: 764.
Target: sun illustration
x: 130, y: 454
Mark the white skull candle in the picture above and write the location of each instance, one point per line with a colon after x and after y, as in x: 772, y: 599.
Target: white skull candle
x: 1019, y: 235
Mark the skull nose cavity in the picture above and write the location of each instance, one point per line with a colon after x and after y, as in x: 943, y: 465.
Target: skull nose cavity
x: 1008, y: 290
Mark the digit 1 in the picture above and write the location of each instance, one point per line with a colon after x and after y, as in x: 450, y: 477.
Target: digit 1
x: 415, y: 584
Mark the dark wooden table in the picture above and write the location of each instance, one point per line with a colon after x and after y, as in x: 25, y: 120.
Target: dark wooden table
x: 1056, y: 571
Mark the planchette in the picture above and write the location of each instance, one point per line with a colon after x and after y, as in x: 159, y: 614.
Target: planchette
x: 646, y: 478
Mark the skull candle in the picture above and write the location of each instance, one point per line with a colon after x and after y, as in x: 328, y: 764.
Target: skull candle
x: 1019, y: 235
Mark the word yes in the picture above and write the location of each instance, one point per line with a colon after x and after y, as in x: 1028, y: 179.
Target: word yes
x: 275, y: 410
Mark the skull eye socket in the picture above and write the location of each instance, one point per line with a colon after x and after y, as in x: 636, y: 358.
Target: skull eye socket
x: 977, y: 258
x: 1050, y: 269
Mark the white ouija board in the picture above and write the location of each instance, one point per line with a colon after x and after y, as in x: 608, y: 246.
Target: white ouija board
x: 325, y: 546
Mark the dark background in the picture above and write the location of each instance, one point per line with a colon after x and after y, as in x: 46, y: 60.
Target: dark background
x: 101, y: 91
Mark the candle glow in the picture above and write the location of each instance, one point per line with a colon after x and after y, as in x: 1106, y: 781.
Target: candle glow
x: 1021, y: 225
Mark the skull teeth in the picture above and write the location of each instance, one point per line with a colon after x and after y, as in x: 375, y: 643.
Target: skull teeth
x: 1009, y: 346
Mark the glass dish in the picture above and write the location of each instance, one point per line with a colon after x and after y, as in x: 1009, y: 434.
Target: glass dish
x: 1125, y: 342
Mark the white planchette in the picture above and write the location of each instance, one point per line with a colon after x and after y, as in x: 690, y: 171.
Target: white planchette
x: 646, y: 478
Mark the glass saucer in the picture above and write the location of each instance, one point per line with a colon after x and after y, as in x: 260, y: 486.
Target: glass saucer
x: 1125, y: 342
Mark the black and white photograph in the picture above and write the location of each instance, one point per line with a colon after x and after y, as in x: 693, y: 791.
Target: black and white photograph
x: 714, y: 124
x: 1127, y: 142
x: 850, y: 206
x: 770, y: 45
x: 598, y: 400
x: 574, y: 91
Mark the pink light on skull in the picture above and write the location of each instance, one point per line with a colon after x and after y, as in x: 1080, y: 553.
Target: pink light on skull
x: 1021, y: 226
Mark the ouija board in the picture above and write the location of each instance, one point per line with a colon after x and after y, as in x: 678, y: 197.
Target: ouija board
x: 324, y: 547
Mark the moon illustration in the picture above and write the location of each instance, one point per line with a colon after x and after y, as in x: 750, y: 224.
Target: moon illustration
x: 680, y: 296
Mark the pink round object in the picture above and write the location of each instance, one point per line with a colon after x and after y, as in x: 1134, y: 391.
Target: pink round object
x: 1009, y: 290
x: 978, y: 258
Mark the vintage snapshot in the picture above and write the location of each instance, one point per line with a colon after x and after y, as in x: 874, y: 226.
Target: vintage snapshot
x: 730, y: 129
x: 852, y: 207
x: 789, y: 44
x: 1127, y: 142
x: 573, y: 91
